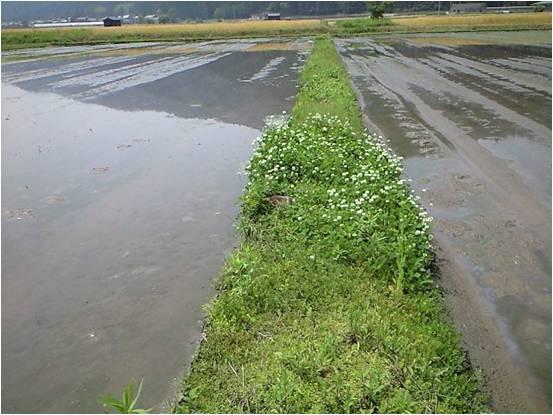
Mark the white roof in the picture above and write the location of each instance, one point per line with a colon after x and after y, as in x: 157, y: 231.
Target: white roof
x: 72, y: 24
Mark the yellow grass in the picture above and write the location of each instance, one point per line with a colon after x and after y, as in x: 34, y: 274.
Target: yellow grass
x: 515, y: 19
x: 226, y: 28
x: 179, y: 50
x: 18, y: 38
x: 268, y: 46
x: 25, y: 38
x: 450, y: 41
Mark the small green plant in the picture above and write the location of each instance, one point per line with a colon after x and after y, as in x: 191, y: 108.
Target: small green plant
x: 128, y: 401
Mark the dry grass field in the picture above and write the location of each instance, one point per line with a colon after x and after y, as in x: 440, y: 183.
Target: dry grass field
x: 226, y: 28
x: 476, y: 20
x: 17, y: 38
x: 25, y: 38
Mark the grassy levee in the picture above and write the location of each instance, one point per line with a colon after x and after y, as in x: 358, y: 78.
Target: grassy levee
x: 33, y: 38
x: 328, y: 305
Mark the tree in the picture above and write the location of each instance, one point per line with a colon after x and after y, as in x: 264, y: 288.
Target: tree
x: 273, y: 7
x: 172, y: 15
x: 123, y: 8
x: 378, y: 8
x: 100, y: 11
x: 219, y: 13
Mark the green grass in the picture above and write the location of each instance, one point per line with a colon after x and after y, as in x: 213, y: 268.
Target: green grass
x: 329, y: 305
x: 354, y: 26
x: 325, y: 89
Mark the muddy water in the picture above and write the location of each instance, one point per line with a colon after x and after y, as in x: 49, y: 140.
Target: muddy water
x: 120, y: 180
x: 473, y: 122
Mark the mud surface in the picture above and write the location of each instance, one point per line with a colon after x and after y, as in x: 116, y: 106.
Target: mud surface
x: 473, y: 120
x: 120, y: 178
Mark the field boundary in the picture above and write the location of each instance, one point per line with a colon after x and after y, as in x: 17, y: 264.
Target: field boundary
x: 24, y: 38
x: 329, y: 303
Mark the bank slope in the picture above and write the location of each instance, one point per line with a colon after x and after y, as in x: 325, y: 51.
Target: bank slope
x: 328, y: 305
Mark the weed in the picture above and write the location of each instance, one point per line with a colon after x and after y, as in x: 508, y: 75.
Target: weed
x: 128, y: 401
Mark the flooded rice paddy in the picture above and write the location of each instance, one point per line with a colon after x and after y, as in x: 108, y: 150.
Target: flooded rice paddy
x: 121, y: 171
x: 471, y: 115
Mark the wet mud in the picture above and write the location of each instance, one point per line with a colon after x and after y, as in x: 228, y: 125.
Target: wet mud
x: 473, y: 122
x: 120, y: 182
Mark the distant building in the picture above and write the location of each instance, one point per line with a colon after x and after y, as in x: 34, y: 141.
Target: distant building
x: 471, y: 7
x: 272, y: 16
x: 109, y: 22
x: 546, y: 5
x: 519, y: 9
x: 71, y: 24
x: 151, y: 18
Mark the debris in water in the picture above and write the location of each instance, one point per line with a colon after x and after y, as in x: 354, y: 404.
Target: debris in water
x: 19, y: 214
x: 51, y: 199
x: 277, y: 200
x: 100, y: 170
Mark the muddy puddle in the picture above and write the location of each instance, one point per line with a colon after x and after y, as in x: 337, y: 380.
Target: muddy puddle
x: 473, y: 121
x: 120, y: 182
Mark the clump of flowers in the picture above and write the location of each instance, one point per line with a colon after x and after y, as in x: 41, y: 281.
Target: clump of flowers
x: 348, y: 194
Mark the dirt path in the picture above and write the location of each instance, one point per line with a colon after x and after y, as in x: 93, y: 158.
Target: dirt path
x: 473, y: 122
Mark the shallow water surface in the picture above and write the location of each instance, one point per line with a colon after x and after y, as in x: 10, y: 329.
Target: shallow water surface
x: 120, y: 183
x: 472, y: 117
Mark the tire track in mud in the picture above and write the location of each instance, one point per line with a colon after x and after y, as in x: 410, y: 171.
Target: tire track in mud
x: 508, y: 188
x: 476, y: 139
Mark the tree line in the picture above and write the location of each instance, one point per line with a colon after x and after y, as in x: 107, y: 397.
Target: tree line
x: 203, y: 10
